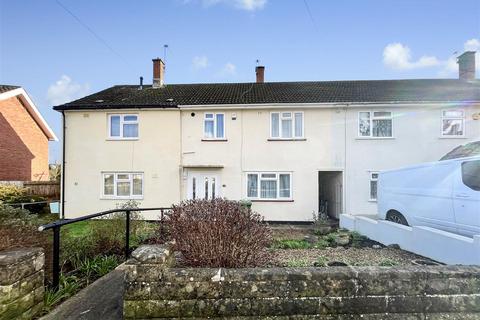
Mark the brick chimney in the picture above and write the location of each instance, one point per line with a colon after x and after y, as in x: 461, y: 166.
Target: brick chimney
x: 158, y: 73
x: 260, y: 72
x: 466, y: 66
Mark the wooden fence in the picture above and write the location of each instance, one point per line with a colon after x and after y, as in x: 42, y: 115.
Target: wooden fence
x: 47, y: 189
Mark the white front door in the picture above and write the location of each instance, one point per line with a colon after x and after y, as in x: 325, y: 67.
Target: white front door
x: 203, y: 185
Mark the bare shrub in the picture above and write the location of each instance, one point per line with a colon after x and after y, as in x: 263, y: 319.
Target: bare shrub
x: 219, y: 233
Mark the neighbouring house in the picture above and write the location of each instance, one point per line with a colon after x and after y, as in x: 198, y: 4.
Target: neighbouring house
x: 24, y: 136
x: 289, y: 147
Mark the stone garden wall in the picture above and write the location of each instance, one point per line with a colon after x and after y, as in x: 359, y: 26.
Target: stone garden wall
x: 21, y: 283
x: 154, y: 289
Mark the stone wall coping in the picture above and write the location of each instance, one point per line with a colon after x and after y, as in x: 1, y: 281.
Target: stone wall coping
x: 16, y: 255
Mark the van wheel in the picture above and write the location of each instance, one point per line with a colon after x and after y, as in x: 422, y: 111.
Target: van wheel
x: 397, y: 217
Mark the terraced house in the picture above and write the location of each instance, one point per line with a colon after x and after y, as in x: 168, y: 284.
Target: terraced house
x: 289, y: 147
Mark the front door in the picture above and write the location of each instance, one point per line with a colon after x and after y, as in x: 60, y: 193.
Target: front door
x: 203, y: 185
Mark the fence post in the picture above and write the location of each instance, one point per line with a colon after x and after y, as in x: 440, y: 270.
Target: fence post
x: 56, y: 257
x: 127, y: 234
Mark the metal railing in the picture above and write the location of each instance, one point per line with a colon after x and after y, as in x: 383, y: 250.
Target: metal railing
x: 56, y: 225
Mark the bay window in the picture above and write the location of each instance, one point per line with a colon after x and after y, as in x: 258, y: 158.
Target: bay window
x: 286, y: 125
x: 269, y: 185
x: 123, y: 185
x: 375, y: 124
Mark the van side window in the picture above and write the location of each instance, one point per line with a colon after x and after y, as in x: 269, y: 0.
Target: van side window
x: 471, y: 174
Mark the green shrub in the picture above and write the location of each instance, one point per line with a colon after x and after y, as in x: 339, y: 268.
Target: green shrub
x: 10, y: 193
x: 330, y: 238
x: 68, y: 286
x: 15, y: 216
x: 357, y: 239
x: 291, y: 244
x: 388, y: 263
x: 322, y: 244
x: 297, y: 263
x: 321, y: 262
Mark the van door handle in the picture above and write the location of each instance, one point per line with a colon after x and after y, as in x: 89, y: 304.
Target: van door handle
x: 462, y: 195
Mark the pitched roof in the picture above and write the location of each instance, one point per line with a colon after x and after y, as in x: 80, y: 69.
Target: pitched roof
x: 6, y: 87
x: 7, y: 92
x: 364, y: 91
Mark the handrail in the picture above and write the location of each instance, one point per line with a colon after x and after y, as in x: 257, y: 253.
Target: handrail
x: 56, y: 225
x: 63, y: 222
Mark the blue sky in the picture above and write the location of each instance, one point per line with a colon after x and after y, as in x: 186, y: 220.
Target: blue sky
x: 56, y: 58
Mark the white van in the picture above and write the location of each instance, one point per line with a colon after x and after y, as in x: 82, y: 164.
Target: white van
x: 443, y: 195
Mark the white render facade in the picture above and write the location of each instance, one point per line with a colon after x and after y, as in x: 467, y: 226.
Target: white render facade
x: 284, y: 157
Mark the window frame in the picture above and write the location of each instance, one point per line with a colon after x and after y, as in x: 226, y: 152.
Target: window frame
x: 372, y: 117
x: 443, y: 118
x: 214, y: 119
x: 370, y: 180
x: 293, y: 137
x: 277, y: 179
x: 115, y: 180
x: 122, y: 122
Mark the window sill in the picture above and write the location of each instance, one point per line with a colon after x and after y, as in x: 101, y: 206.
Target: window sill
x: 214, y: 140
x: 271, y: 200
x: 373, y: 200
x: 122, y: 139
x: 452, y: 137
x: 289, y: 139
x: 121, y: 198
x: 375, y: 138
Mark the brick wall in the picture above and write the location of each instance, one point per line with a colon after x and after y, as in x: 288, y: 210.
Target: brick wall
x: 154, y: 289
x: 21, y: 283
x: 23, y: 145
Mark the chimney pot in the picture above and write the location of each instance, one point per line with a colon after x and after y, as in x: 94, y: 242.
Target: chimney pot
x: 466, y: 66
x: 260, y: 73
x: 158, y: 73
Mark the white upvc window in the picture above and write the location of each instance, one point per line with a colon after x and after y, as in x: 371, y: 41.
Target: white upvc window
x: 123, y: 126
x: 453, y: 123
x: 122, y: 185
x: 286, y: 125
x: 269, y: 185
x: 214, y: 126
x: 375, y: 124
x: 373, y: 185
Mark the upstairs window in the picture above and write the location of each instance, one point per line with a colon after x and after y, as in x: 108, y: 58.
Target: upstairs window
x: 373, y: 186
x: 269, y: 186
x: 286, y: 125
x: 453, y: 123
x: 123, y: 126
x: 376, y: 124
x: 214, y: 126
x: 123, y: 185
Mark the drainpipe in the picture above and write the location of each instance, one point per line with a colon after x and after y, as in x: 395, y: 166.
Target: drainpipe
x: 62, y: 187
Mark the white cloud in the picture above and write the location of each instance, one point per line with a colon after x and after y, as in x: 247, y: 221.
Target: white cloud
x: 472, y: 45
x: 399, y: 57
x: 200, y: 62
x: 65, y: 90
x: 248, y: 5
x: 229, y: 69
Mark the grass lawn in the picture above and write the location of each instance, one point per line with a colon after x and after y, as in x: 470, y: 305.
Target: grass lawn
x: 78, y: 229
